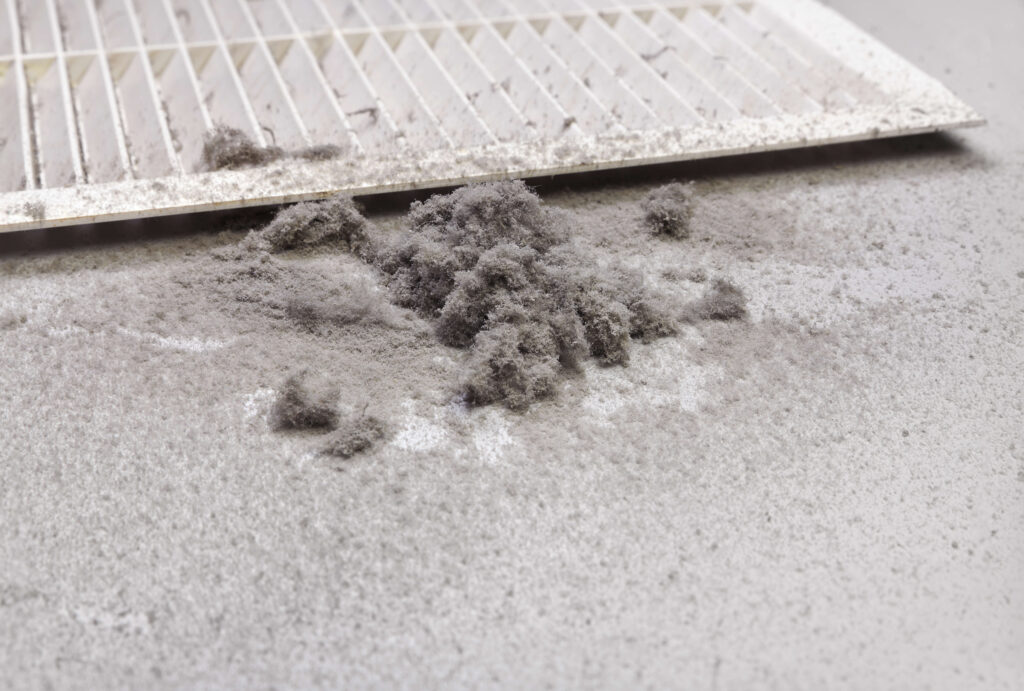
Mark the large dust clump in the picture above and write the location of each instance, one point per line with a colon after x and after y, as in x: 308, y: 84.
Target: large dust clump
x: 668, y: 210
x: 499, y: 275
x: 488, y: 268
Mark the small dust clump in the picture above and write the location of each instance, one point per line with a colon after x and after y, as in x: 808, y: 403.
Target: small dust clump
x: 36, y: 211
x: 697, y: 275
x: 226, y: 148
x: 668, y: 210
x: 722, y: 301
x: 354, y: 435
x: 10, y: 321
x: 500, y: 276
x: 323, y: 152
x: 336, y: 221
x: 303, y: 405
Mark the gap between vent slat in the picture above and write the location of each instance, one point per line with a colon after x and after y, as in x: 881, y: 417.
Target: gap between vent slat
x: 441, y: 94
x: 7, y: 32
x: 181, y: 94
x: 518, y: 81
x: 380, y: 14
x: 265, y: 87
x: 366, y: 112
x: 664, y: 59
x: 12, y: 159
x: 670, y: 107
x: 343, y: 19
x: 418, y: 12
x: 509, y: 75
x: 37, y: 35
x: 323, y: 114
x: 740, y: 92
x: 501, y: 115
x: 449, y: 104
x: 486, y: 95
x: 801, y: 73
x: 456, y: 10
x: 671, y: 28
x: 147, y: 137
x: 28, y: 177
x: 104, y: 157
x: 597, y: 75
x: 234, y: 108
x: 109, y: 91
x: 809, y: 49
x: 410, y: 112
x: 51, y: 146
x: 102, y: 154
x: 66, y: 108
x: 752, y: 66
x: 562, y: 83
x: 413, y: 118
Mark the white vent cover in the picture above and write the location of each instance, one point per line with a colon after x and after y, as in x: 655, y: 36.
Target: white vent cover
x: 104, y: 103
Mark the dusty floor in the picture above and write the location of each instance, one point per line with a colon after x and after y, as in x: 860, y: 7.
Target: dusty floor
x: 829, y: 495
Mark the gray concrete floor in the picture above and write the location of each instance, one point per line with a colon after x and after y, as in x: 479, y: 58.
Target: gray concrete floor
x: 830, y: 495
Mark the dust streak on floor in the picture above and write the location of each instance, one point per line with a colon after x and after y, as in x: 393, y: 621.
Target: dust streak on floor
x: 828, y: 495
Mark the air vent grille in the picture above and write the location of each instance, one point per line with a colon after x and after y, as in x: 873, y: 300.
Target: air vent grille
x: 104, y: 104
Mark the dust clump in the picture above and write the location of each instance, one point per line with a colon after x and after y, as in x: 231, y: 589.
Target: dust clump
x: 668, y: 210
x: 354, y: 435
x: 304, y: 405
x: 450, y: 233
x: 324, y: 152
x: 35, y: 210
x: 318, y: 291
x: 722, y: 301
x: 229, y: 148
x: 697, y: 276
x: 336, y: 221
x: 318, y: 295
x: 500, y: 276
x: 319, y: 307
x: 10, y: 321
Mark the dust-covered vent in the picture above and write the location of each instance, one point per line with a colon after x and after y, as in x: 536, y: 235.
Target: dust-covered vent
x: 105, y: 104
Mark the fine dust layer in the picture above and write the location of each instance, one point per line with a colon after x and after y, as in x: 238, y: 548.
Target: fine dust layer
x: 826, y: 494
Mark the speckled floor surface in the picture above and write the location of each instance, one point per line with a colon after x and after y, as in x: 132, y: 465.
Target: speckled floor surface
x: 830, y: 495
